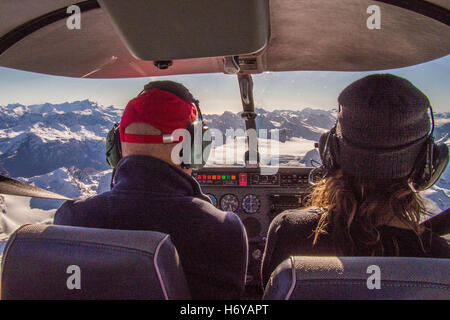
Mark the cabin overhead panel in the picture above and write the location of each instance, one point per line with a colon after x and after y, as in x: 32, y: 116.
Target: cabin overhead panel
x: 341, y: 36
x: 174, y: 29
x: 120, y: 39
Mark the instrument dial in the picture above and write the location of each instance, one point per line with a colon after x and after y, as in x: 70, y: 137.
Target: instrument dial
x: 229, y: 202
x: 251, y: 203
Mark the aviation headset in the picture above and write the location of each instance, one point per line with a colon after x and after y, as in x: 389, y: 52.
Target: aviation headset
x: 199, y: 152
x: 429, y: 165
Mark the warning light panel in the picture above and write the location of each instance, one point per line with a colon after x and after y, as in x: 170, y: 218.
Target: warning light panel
x: 252, y: 179
x: 217, y: 179
x: 244, y: 179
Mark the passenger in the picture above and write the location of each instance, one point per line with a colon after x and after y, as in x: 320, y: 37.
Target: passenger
x: 151, y: 192
x: 364, y: 206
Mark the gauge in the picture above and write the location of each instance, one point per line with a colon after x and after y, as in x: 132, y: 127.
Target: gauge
x: 212, y: 198
x: 251, y: 203
x: 229, y: 202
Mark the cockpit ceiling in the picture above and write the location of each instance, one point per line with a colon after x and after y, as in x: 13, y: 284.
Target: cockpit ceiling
x: 304, y: 35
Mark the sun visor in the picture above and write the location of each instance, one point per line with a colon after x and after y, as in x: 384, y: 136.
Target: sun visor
x: 197, y: 28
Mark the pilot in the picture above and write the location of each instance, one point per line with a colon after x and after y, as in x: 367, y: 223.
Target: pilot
x: 153, y: 192
x: 367, y: 204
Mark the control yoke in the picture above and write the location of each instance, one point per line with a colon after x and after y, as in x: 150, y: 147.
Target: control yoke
x: 249, y: 116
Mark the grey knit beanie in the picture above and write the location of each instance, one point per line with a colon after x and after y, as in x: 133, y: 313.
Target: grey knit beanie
x: 382, y: 127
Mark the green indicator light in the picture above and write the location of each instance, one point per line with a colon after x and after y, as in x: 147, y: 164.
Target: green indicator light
x: 223, y: 177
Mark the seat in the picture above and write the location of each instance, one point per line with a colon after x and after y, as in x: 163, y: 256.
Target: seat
x: 299, y: 278
x: 61, y: 262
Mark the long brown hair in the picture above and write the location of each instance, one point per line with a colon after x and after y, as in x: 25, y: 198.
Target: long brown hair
x: 354, y: 209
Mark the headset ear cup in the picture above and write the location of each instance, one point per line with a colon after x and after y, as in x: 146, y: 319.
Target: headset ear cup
x: 191, y: 131
x: 322, y: 143
x: 417, y: 176
x: 113, y: 146
x: 420, y: 179
x: 328, y: 149
x: 200, y: 150
x: 206, y: 144
x: 441, y: 160
x: 197, y: 150
x: 334, y: 151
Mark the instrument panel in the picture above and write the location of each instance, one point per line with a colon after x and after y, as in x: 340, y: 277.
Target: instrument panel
x: 256, y: 199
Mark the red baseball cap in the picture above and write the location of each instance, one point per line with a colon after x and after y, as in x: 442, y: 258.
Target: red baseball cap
x: 161, y: 109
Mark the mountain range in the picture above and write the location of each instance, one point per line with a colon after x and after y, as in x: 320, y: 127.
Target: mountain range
x: 38, y: 139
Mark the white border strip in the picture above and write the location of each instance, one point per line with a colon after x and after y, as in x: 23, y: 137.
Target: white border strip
x: 158, y: 273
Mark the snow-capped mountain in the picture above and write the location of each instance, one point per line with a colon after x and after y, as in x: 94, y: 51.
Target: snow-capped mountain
x: 442, y: 127
x: 60, y: 147
x: 38, y: 139
x: 307, y: 123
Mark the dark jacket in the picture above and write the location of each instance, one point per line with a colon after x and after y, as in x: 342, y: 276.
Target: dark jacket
x: 150, y: 194
x: 291, y: 234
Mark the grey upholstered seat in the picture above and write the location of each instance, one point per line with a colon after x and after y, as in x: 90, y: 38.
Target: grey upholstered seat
x: 59, y: 262
x: 356, y: 278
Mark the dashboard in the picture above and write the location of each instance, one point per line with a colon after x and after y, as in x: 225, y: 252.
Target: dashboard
x: 256, y: 199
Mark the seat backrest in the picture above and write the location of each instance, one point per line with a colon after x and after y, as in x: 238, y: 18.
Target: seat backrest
x: 60, y: 262
x: 365, y: 278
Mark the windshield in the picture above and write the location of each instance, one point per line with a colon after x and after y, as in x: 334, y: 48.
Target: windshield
x: 53, y: 129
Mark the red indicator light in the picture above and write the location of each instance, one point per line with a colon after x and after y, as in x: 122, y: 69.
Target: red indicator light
x: 209, y: 177
x: 242, y: 179
x: 204, y: 177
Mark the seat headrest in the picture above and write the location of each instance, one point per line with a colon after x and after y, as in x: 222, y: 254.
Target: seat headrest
x: 299, y: 278
x: 60, y: 262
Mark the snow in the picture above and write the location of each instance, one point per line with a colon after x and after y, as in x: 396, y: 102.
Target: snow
x: 19, y: 213
x: 276, y: 124
x: 74, y: 183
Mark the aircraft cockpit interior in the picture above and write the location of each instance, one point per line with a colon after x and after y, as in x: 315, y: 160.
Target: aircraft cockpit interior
x: 267, y: 75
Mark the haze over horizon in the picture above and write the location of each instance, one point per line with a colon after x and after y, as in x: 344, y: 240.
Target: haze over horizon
x: 220, y: 92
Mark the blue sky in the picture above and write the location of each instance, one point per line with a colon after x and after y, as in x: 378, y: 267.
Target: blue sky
x: 220, y: 92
